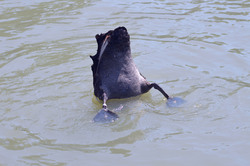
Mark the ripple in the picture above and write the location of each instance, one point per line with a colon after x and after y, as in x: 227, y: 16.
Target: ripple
x: 197, y: 50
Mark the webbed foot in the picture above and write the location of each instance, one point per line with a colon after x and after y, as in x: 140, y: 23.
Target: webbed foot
x: 175, y: 102
x: 105, y: 116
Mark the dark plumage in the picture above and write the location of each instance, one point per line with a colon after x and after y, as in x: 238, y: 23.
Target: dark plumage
x: 114, y: 72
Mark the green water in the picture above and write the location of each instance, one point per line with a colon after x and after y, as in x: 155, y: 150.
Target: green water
x: 197, y: 50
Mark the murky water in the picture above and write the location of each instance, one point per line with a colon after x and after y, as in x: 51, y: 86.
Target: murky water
x: 197, y: 50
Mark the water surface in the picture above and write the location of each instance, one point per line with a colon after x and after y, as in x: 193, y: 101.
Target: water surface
x: 197, y: 50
